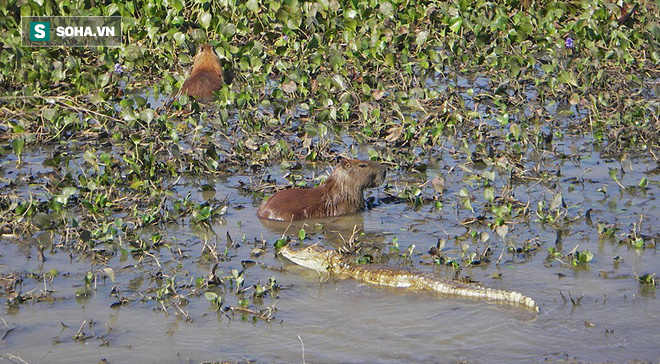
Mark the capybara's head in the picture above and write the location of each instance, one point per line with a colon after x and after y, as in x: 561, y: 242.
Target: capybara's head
x: 206, y: 59
x: 360, y: 173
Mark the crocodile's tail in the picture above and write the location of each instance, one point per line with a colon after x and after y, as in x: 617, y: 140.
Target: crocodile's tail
x: 496, y: 295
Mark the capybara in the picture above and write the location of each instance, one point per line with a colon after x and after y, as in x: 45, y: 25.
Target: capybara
x: 341, y: 194
x: 205, y: 77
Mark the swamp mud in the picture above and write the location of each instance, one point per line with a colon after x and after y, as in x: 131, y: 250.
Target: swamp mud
x: 521, y: 141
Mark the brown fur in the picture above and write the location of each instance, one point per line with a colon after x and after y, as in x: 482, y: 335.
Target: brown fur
x: 341, y: 194
x: 205, y: 77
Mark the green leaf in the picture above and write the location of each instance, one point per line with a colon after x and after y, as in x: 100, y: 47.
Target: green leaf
x: 557, y: 202
x: 389, y: 60
x: 52, y: 273
x: 128, y: 114
x: 205, y: 20
x: 48, y: 114
x: 647, y: 279
x: 386, y: 8
x: 489, y: 194
x: 613, y: 174
x: 179, y: 38
x: 468, y: 205
x: 89, y: 277
x: 502, y: 230
x: 68, y: 192
x: 293, y: 24
x: 585, y: 256
x: 455, y: 24
x: 17, y: 146
x: 515, y: 131
x: 110, y: 273
x: 637, y: 243
x: 489, y: 175
x: 147, y: 115
x: 421, y: 37
x: 253, y: 6
x: 280, y: 243
x: 16, y: 128
x: 228, y: 29
x: 566, y: 77
x: 152, y: 32
x: 503, y: 119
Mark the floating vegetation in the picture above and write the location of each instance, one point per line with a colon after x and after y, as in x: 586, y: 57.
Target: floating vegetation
x: 647, y: 279
x: 573, y: 258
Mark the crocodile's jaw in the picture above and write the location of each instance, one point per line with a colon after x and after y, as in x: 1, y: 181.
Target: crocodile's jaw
x: 308, y: 257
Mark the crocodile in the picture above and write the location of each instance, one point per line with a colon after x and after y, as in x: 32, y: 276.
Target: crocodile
x: 332, y: 262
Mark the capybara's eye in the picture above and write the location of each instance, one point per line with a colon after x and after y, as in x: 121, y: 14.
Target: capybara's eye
x: 362, y: 165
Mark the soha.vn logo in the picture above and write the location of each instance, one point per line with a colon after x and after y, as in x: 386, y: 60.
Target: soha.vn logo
x: 71, y: 31
x: 39, y: 31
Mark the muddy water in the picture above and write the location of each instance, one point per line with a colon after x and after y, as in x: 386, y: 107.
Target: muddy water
x: 344, y: 321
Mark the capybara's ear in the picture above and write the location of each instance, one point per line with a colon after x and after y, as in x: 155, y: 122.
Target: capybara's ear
x: 343, y: 161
